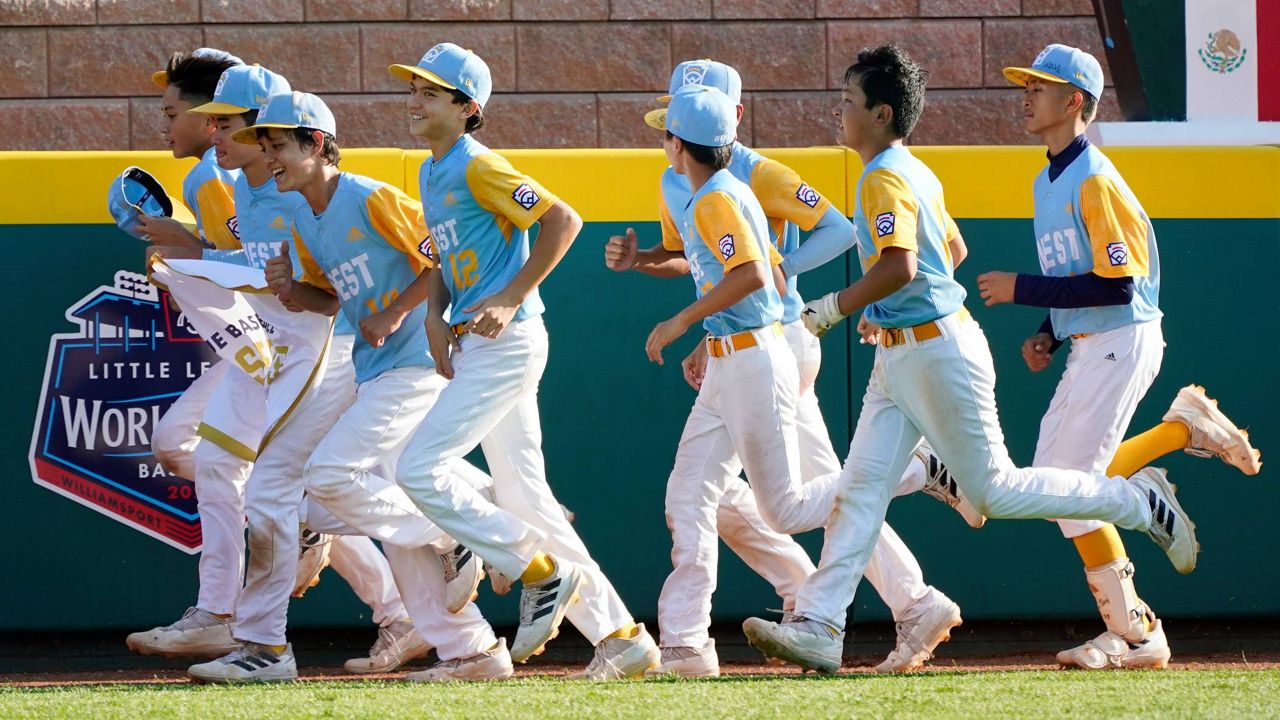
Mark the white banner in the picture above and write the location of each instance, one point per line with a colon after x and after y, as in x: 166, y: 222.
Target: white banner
x: 247, y: 326
x: 1222, y: 59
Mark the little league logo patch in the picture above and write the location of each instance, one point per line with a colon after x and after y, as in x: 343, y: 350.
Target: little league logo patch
x: 1118, y: 253
x: 726, y: 246
x: 885, y: 223
x: 693, y: 74
x: 525, y: 196
x: 808, y: 195
x: 424, y: 247
x: 106, y: 385
x: 432, y: 54
x: 233, y: 225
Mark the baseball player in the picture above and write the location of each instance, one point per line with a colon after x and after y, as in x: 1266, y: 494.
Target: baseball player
x: 265, y: 221
x: 493, y: 348
x: 932, y: 377
x: 923, y: 613
x: 220, y: 467
x: 1101, y: 265
x: 361, y: 251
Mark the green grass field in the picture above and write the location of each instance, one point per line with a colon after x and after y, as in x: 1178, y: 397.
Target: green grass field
x: 1172, y: 694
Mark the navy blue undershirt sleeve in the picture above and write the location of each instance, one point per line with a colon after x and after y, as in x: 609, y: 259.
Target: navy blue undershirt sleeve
x: 1077, y: 291
x: 1046, y: 327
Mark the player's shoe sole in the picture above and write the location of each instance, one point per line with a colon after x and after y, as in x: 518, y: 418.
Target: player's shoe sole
x: 1213, y: 434
x: 1109, y: 651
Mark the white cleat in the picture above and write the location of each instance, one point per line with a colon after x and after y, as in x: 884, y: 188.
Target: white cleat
x: 462, y: 576
x: 688, y: 662
x: 925, y: 625
x: 397, y: 644
x: 501, y: 584
x: 493, y: 664
x: 1110, y: 651
x: 804, y: 642
x: 250, y: 663
x: 542, y: 608
x: 197, y: 634
x: 939, y: 484
x: 1212, y: 433
x: 622, y: 658
x: 1171, y: 529
x: 313, y: 557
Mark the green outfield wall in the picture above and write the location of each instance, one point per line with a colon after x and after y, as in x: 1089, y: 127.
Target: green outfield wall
x: 611, y: 419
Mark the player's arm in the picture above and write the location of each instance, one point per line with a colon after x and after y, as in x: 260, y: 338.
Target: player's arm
x: 398, y: 220
x: 506, y: 193
x: 746, y: 270
x: 1117, y: 237
x: 440, y: 338
x: 665, y: 260
x: 167, y: 231
x: 784, y: 195
x: 831, y: 238
x: 956, y: 247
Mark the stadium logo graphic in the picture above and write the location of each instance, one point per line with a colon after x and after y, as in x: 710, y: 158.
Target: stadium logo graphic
x: 1223, y: 52
x: 105, y: 387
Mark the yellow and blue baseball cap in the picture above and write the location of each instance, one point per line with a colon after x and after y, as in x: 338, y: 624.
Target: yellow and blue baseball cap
x: 243, y: 88
x: 701, y: 115
x: 288, y: 111
x: 136, y: 192
x: 161, y: 77
x: 705, y: 72
x: 451, y: 67
x: 1062, y: 64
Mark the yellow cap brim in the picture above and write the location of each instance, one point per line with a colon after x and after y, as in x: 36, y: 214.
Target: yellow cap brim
x: 409, y: 72
x: 161, y: 79
x: 249, y: 135
x: 656, y: 119
x: 664, y: 99
x: 1019, y: 76
x: 217, y: 108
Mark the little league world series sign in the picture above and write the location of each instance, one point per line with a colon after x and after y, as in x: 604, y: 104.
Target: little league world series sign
x: 105, y: 387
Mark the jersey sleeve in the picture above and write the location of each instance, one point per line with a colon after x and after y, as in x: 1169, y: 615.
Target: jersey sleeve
x: 498, y: 188
x: 890, y: 208
x: 312, y: 273
x: 671, y: 239
x: 784, y: 195
x: 216, y: 214
x: 1117, y: 230
x: 725, y: 230
x: 397, y: 218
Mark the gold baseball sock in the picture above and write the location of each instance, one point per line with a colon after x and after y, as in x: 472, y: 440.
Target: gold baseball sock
x: 221, y: 616
x: 1141, y: 450
x: 540, y: 568
x: 277, y: 649
x: 1100, y: 547
x: 626, y: 632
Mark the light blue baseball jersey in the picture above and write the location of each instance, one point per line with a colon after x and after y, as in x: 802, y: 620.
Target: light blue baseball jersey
x: 265, y: 219
x: 790, y: 205
x: 899, y: 204
x: 208, y: 190
x: 366, y: 247
x: 719, y: 228
x: 1088, y: 220
x: 479, y: 211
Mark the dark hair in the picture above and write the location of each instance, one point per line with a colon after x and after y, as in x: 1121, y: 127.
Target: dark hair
x: 1088, y: 107
x: 250, y: 117
x: 476, y: 120
x: 888, y: 76
x: 329, y: 152
x: 717, y: 157
x: 196, y: 76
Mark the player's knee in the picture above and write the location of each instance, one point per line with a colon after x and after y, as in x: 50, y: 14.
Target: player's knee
x: 172, y: 449
x: 322, y: 480
x: 782, y: 520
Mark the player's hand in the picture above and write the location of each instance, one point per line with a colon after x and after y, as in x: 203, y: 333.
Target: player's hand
x: 492, y: 315
x: 664, y: 333
x: 279, y: 273
x: 997, y: 287
x: 869, y: 331
x: 1035, y: 351
x: 377, y: 327
x: 695, y: 366
x: 166, y: 231
x: 822, y: 314
x: 291, y: 306
x: 620, y: 251
x: 442, y: 343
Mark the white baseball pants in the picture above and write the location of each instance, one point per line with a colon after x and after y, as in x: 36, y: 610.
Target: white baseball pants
x: 492, y: 401
x: 943, y: 389
x: 1107, y: 375
x: 741, y: 396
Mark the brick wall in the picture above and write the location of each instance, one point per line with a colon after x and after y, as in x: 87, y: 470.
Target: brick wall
x: 567, y: 73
